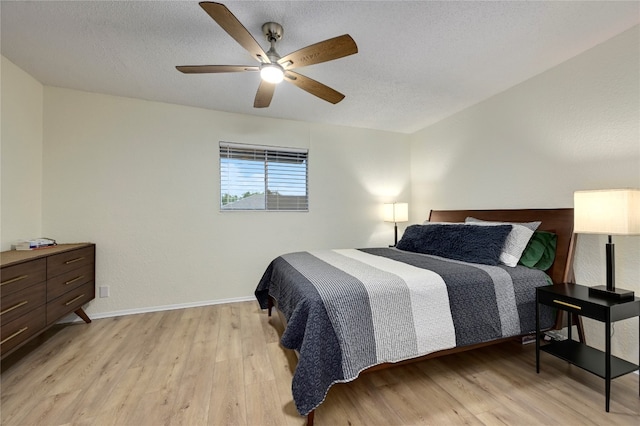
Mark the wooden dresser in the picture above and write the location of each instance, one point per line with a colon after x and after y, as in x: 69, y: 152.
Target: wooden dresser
x: 38, y: 287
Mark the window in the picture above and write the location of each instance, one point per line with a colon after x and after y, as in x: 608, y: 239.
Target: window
x: 263, y: 178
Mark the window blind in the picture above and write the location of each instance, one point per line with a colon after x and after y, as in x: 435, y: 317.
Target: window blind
x: 254, y: 177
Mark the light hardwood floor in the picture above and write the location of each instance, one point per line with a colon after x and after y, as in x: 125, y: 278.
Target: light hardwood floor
x: 222, y: 365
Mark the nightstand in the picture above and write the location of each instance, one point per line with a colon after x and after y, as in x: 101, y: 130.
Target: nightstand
x: 575, y: 299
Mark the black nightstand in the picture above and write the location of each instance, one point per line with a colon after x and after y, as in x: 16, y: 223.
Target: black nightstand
x: 575, y: 299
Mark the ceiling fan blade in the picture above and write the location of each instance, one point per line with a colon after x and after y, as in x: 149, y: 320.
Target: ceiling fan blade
x: 314, y: 87
x: 328, y: 50
x: 235, y: 29
x: 205, y: 69
x: 264, y: 95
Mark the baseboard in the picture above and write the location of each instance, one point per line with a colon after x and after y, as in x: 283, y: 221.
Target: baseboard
x: 74, y: 318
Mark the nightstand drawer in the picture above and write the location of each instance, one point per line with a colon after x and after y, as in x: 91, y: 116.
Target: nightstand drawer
x: 70, y: 301
x: 21, y: 329
x: 22, y: 275
x: 590, y: 310
x: 63, y: 283
x: 20, y: 302
x: 68, y: 261
x: 575, y: 299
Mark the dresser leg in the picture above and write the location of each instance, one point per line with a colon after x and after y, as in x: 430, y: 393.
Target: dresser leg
x: 80, y: 312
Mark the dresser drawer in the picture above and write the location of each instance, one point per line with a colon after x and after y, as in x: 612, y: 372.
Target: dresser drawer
x: 22, y: 275
x: 19, y: 303
x: 70, y: 301
x: 64, y: 262
x: 21, y: 329
x: 59, y: 285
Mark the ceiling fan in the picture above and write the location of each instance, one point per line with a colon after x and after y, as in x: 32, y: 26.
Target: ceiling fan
x: 273, y: 67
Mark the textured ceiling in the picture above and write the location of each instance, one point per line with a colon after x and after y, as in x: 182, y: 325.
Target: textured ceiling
x: 418, y: 61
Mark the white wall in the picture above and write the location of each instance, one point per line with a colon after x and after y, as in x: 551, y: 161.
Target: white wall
x: 573, y: 127
x: 20, y: 155
x: 141, y: 180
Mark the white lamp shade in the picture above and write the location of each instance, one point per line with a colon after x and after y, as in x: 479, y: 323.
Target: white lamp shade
x: 396, y: 212
x: 609, y: 211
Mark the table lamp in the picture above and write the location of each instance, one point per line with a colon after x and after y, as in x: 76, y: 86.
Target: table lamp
x: 396, y: 212
x: 610, y: 212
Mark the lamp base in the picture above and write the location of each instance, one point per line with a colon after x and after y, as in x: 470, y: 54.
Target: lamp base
x: 618, y: 294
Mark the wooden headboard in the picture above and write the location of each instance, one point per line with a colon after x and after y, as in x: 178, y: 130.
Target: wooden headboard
x: 559, y: 221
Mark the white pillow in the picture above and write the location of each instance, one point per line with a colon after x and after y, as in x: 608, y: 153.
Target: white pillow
x: 516, y: 241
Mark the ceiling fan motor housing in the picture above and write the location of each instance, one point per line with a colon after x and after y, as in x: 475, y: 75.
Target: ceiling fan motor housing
x: 272, y: 31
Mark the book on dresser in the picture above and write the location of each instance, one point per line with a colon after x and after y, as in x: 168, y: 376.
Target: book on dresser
x: 38, y: 243
x: 39, y: 287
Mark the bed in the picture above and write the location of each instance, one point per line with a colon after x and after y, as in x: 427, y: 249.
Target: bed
x: 354, y: 310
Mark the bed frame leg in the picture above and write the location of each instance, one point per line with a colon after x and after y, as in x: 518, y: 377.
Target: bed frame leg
x: 310, y: 418
x: 269, y: 305
x: 577, y: 321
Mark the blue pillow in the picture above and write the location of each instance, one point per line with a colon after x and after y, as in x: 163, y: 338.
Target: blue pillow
x: 468, y: 243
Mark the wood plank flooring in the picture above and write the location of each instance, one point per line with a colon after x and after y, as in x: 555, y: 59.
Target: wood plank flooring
x: 223, y: 365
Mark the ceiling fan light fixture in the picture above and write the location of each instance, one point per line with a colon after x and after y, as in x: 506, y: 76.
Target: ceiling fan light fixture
x: 271, y: 73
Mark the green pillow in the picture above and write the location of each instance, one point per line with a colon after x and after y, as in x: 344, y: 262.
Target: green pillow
x: 540, y: 251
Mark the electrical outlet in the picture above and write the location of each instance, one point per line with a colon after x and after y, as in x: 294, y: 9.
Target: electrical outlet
x: 104, y: 291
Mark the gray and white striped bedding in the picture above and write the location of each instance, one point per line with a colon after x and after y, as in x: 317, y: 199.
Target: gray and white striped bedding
x: 348, y: 310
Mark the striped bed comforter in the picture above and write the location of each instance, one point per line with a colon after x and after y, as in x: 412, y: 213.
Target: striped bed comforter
x: 348, y: 310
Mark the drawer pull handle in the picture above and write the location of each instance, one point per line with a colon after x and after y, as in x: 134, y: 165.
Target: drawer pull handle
x: 74, y: 299
x: 13, y: 280
x: 74, y: 280
x: 560, y: 302
x: 16, y: 306
x: 78, y: 259
x: 22, y: 330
